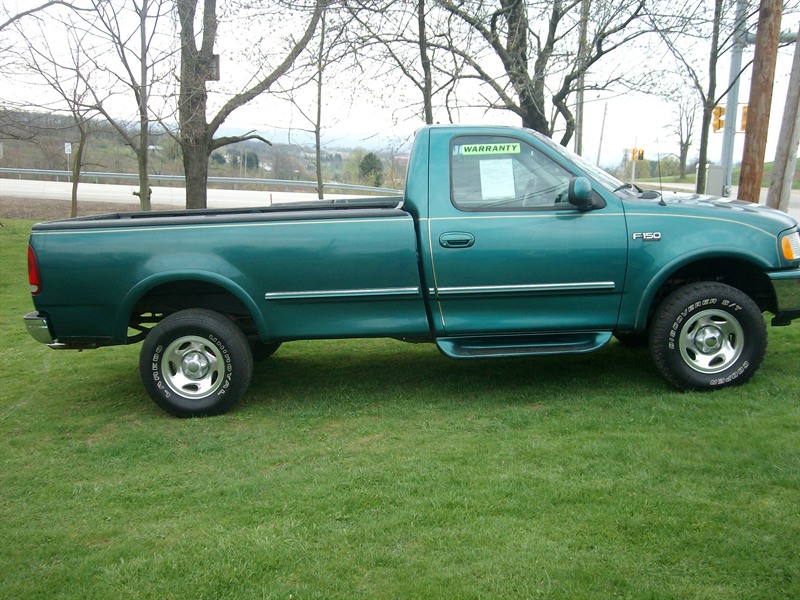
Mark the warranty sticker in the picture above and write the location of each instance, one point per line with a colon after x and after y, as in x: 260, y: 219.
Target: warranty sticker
x: 473, y: 149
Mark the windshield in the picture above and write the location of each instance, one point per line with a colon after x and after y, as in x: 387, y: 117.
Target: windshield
x: 608, y: 181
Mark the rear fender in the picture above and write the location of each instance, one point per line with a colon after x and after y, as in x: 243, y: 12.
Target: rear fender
x: 141, y: 289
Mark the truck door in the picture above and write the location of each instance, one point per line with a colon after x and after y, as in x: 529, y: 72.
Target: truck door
x: 509, y: 254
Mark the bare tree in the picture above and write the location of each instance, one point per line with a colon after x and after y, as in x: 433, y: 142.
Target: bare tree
x: 136, y: 43
x: 68, y: 75
x: 540, y: 63
x: 198, y: 63
x: 332, y: 49
x: 9, y: 52
x: 397, y: 34
x: 14, y: 18
x: 120, y: 45
x: 123, y: 50
x: 699, y: 23
x: 684, y: 128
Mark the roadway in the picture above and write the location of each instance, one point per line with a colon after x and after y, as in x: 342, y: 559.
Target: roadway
x: 217, y: 198
x: 162, y: 196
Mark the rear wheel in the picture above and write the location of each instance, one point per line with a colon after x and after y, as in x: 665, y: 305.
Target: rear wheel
x: 196, y: 363
x: 708, y: 336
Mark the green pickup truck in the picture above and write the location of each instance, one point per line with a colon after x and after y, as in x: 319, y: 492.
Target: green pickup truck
x: 503, y: 244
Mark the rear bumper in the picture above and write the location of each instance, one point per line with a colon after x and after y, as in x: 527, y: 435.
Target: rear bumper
x: 787, y: 294
x: 39, y: 328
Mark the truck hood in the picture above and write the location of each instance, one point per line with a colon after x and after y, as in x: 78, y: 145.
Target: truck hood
x: 739, y: 210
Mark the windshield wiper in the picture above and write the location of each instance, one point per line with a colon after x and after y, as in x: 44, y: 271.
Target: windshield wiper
x: 650, y: 195
x: 628, y: 186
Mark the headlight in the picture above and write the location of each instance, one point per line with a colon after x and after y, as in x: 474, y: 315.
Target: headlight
x: 790, y: 244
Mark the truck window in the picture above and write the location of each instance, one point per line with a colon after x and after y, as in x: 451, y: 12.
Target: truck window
x: 501, y: 173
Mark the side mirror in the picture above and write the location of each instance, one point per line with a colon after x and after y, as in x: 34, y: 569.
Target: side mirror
x: 580, y: 193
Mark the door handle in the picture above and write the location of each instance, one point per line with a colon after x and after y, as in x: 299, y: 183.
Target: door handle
x: 456, y: 239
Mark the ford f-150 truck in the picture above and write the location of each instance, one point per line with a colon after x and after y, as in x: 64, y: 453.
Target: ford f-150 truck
x: 503, y: 244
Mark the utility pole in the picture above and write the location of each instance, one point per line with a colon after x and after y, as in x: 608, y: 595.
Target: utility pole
x: 602, y: 133
x: 729, y: 133
x: 780, y: 186
x: 755, y: 141
x: 582, y: 43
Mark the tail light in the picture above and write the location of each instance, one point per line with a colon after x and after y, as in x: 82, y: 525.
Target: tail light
x: 33, y: 272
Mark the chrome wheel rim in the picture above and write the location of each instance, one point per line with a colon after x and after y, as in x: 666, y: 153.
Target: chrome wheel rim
x: 193, y: 367
x: 711, y: 341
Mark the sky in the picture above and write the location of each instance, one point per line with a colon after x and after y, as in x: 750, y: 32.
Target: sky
x: 624, y: 120
x: 631, y: 120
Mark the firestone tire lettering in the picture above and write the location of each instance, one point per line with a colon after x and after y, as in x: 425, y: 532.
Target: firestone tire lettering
x: 196, y: 363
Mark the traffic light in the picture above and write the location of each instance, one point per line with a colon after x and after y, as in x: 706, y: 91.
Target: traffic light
x: 640, y: 155
x: 744, y: 118
x: 717, y: 121
x: 634, y: 152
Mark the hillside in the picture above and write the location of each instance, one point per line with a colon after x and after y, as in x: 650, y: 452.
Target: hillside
x: 38, y: 141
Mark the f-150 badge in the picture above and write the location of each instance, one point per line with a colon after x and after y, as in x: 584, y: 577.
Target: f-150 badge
x: 648, y: 236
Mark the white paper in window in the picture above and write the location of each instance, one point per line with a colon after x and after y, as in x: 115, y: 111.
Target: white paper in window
x: 497, y: 179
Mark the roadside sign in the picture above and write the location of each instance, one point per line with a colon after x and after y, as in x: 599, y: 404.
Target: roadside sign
x: 67, y: 148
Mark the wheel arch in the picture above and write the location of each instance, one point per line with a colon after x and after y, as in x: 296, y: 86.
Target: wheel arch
x: 166, y: 293
x: 743, y: 273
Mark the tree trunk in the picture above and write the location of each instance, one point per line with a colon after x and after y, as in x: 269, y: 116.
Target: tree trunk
x: 427, y: 78
x: 533, y: 113
x: 318, y: 123
x: 682, y: 159
x: 144, y: 121
x: 702, y: 159
x: 529, y: 94
x: 144, y: 178
x: 196, y: 132
x: 77, y: 163
x: 195, y: 169
x: 195, y: 139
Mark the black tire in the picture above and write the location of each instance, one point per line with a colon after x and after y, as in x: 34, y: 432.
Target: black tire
x: 196, y: 363
x: 708, y: 336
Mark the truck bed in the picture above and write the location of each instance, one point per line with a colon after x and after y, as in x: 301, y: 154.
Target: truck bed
x: 306, y: 270
x: 312, y: 209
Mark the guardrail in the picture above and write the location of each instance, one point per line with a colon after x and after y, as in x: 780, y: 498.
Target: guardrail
x: 232, y: 181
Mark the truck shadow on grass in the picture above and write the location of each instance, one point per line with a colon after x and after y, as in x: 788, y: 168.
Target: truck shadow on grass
x: 370, y: 371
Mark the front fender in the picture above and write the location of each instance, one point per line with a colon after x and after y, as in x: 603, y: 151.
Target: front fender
x: 651, y: 284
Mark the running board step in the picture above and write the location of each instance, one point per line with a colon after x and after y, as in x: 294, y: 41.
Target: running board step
x: 541, y: 344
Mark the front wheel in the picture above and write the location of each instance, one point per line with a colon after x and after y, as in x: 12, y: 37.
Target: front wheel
x: 708, y: 336
x: 196, y: 363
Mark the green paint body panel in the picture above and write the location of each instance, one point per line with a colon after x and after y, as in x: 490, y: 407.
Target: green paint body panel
x: 497, y: 281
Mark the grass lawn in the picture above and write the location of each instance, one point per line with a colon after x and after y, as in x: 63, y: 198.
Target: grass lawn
x: 375, y: 469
